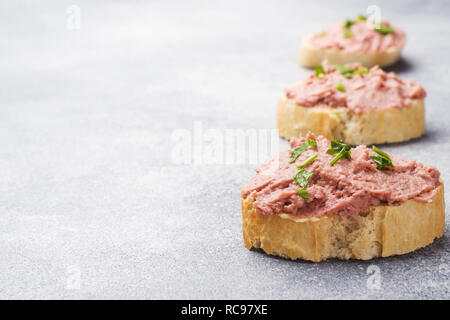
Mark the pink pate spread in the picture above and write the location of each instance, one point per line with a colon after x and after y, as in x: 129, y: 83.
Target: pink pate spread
x: 363, y: 92
x: 348, y: 187
x: 363, y: 39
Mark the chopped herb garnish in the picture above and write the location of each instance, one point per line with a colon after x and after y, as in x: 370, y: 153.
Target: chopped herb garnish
x: 348, y: 72
x: 345, y: 71
x: 348, y: 75
x: 362, y: 18
x: 361, y: 70
x: 303, y: 193
x: 348, y: 23
x: 302, y: 148
x: 342, y: 154
x: 307, y: 161
x: 340, y: 87
x: 312, y: 143
x: 348, y: 33
x: 384, y: 154
x: 337, y: 146
x: 302, y: 177
x: 341, y: 149
x: 383, y: 29
x: 381, y: 159
x: 319, y: 71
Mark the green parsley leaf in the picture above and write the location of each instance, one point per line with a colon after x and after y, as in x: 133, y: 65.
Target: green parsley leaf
x: 307, y: 161
x: 340, y: 87
x: 381, y: 159
x: 302, y: 148
x: 345, y: 71
x: 383, y: 29
x: 342, y: 154
x: 337, y: 146
x: 341, y: 149
x: 348, y: 72
x: 348, y: 33
x: 319, y: 70
x: 348, y: 23
x: 362, y: 18
x: 348, y: 75
x: 361, y: 70
x: 312, y: 143
x: 384, y: 154
x: 303, y: 193
x: 302, y: 177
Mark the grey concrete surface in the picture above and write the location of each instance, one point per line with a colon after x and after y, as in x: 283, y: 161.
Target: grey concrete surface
x: 92, y: 204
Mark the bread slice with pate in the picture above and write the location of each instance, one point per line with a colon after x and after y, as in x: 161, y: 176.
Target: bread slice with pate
x: 353, y: 41
x: 354, y: 104
x: 325, y: 199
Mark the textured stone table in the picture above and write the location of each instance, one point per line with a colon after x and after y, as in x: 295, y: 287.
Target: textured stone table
x: 92, y: 204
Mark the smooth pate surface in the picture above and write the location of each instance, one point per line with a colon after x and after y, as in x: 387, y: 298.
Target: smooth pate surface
x: 363, y: 39
x: 363, y: 92
x: 347, y: 188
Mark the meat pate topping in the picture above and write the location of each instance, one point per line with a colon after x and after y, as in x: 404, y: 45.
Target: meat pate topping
x: 349, y: 187
x: 360, y: 91
x: 358, y: 38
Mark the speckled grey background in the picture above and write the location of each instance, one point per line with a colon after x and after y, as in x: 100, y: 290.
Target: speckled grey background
x: 91, y: 204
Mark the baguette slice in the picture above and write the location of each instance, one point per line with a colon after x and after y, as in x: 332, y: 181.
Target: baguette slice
x: 372, y: 127
x: 381, y: 232
x: 310, y: 56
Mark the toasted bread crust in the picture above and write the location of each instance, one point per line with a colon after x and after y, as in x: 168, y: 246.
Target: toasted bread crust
x: 310, y: 56
x: 379, y: 126
x: 381, y: 232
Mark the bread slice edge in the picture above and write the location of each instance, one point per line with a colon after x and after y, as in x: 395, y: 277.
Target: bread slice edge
x: 381, y: 232
x: 310, y: 56
x: 388, y: 125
